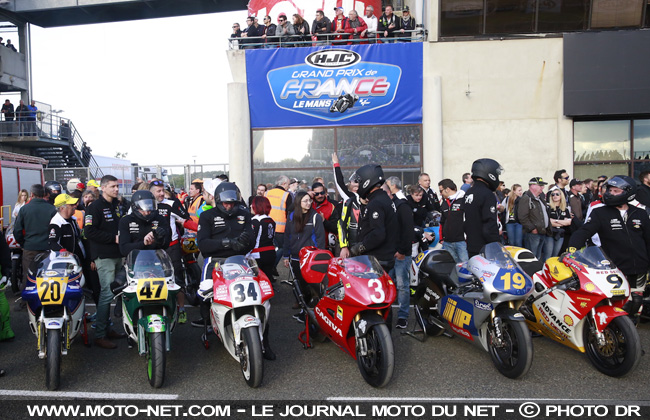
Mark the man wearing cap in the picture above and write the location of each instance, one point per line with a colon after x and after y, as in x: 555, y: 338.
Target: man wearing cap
x: 407, y: 23
x: 93, y: 186
x: 576, y: 200
x: 533, y: 216
x: 339, y: 22
x: 293, y: 186
x: 64, y: 231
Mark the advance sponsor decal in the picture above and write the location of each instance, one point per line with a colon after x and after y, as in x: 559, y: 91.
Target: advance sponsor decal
x: 355, y: 85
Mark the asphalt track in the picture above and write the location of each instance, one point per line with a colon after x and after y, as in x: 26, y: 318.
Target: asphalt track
x: 440, y: 369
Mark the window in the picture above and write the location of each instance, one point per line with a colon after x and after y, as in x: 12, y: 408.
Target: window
x: 304, y: 153
x: 615, y: 147
x: 616, y: 13
x: 510, y: 16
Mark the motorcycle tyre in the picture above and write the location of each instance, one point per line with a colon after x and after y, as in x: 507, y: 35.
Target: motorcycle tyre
x: 53, y: 360
x: 632, y: 355
x: 16, y: 275
x: 156, y: 359
x: 379, y: 371
x: 524, y: 345
x: 429, y: 327
x: 250, y: 361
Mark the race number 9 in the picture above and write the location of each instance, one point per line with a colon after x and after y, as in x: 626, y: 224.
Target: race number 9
x: 379, y: 296
x: 615, y: 279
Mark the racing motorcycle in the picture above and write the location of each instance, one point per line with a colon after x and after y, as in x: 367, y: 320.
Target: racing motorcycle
x: 355, y: 298
x: 55, y: 302
x: 16, y: 261
x: 477, y: 300
x: 578, y: 301
x: 240, y: 294
x: 149, y: 307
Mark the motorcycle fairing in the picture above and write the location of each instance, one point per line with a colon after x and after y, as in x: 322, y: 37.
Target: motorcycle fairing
x: 605, y: 314
x: 246, y: 321
x: 459, y: 314
x: 151, y: 324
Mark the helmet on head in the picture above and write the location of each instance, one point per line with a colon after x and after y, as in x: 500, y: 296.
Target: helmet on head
x: 227, y: 192
x: 625, y: 183
x: 53, y: 188
x: 368, y: 177
x: 488, y: 170
x: 143, y: 200
x: 72, y: 184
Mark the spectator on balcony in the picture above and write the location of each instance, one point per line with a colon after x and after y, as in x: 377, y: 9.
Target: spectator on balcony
x: 371, y: 21
x: 253, y: 30
x: 407, y: 23
x: 302, y: 29
x: 268, y: 37
x: 388, y: 24
x: 338, y: 24
x: 8, y: 111
x: 64, y: 130
x: 236, y: 33
x: 321, y: 26
x: 32, y: 118
x: 22, y: 114
x: 11, y: 46
x: 284, y: 31
x: 1, y: 41
x: 355, y: 26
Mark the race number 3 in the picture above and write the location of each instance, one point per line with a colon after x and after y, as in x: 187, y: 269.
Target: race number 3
x: 379, y: 296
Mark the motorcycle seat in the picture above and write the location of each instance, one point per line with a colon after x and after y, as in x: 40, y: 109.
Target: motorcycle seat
x: 558, y: 270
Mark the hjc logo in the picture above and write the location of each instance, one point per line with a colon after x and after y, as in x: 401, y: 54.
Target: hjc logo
x: 332, y: 58
x: 456, y: 316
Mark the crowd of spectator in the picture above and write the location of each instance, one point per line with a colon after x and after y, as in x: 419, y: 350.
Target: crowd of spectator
x: 294, y: 30
x: 21, y: 120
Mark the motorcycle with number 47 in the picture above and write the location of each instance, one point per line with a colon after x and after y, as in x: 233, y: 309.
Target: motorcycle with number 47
x: 149, y: 309
x: 354, y: 300
x: 578, y: 301
x: 477, y: 300
x: 55, y: 305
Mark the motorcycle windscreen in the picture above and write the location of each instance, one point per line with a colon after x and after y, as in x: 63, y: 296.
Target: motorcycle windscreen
x: 238, y: 266
x: 510, y: 277
x: 148, y: 264
x: 363, y: 267
x: 593, y: 257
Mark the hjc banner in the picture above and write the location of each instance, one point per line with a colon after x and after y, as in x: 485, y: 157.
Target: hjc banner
x: 376, y: 84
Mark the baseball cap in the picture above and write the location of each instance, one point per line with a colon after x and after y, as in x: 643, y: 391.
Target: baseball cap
x: 93, y: 183
x: 574, y: 181
x: 293, y: 181
x: 63, y: 199
x: 537, y: 180
x: 339, y: 8
x: 406, y: 9
x: 80, y: 186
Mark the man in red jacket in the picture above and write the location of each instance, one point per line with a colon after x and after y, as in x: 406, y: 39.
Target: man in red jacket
x: 331, y: 214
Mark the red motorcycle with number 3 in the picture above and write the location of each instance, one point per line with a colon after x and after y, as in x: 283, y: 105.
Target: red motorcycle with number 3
x: 355, y: 298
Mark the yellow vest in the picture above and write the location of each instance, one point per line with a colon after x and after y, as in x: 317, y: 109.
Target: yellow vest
x: 194, y: 207
x: 278, y: 199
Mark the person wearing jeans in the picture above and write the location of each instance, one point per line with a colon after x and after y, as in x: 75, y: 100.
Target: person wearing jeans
x: 452, y: 234
x: 533, y: 217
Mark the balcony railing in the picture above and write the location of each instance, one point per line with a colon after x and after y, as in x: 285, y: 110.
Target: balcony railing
x: 418, y: 35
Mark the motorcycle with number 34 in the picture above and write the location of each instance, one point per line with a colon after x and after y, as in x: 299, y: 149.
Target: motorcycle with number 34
x: 477, y: 300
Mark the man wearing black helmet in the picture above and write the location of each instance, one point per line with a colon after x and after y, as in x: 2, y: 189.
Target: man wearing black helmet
x: 480, y: 224
x: 52, y: 189
x: 143, y: 228
x: 624, y: 232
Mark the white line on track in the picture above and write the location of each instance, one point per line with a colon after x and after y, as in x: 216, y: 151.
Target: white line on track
x: 87, y: 395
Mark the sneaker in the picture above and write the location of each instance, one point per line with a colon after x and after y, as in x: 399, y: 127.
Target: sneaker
x: 198, y: 323
x: 182, y: 317
x: 92, y: 318
x: 402, y: 323
x: 300, y: 316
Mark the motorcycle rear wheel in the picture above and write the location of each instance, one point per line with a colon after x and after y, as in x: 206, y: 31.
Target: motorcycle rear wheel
x: 514, y: 358
x: 53, y: 360
x: 156, y: 359
x: 377, y: 366
x: 621, y: 352
x: 250, y: 360
x: 16, y: 274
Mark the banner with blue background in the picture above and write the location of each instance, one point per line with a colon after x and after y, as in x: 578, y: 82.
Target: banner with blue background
x: 335, y: 86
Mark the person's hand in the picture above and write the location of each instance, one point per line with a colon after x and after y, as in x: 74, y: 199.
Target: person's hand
x: 391, y: 26
x: 117, y: 239
x: 534, y: 232
x: 148, y: 240
x: 286, y: 262
x: 244, y: 35
x: 335, y: 158
x: 364, y: 33
x: 93, y: 266
x: 399, y: 256
x: 264, y: 36
x: 345, y: 252
x: 401, y: 30
x: 385, y: 33
x: 429, y: 236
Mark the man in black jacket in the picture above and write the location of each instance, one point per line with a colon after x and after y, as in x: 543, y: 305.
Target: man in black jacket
x: 101, y: 224
x: 321, y: 26
x: 432, y: 202
x: 624, y: 232
x: 452, y: 216
x: 643, y: 191
x: 400, y: 273
x: 144, y: 228
x: 481, y: 225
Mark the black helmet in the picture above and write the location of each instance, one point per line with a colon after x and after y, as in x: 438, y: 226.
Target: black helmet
x: 627, y: 184
x: 143, y: 200
x: 368, y: 177
x: 227, y: 192
x: 53, y: 187
x: 488, y: 170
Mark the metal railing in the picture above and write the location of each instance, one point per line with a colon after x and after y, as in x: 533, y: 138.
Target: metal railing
x: 52, y: 127
x: 417, y: 35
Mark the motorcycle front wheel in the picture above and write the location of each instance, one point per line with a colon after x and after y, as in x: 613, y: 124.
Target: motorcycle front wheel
x: 250, y: 360
x: 514, y: 356
x: 377, y: 365
x: 53, y: 360
x: 156, y: 359
x: 621, y: 352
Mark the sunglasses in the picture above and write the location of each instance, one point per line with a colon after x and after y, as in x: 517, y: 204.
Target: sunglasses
x: 156, y: 184
x: 566, y: 177
x: 235, y: 27
x: 320, y: 193
x: 281, y: 19
x: 555, y: 195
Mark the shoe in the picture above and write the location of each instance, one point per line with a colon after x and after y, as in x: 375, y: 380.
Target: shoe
x: 402, y: 323
x: 300, y: 316
x: 198, y: 323
x: 115, y: 335
x: 182, y: 317
x: 268, y: 353
x: 92, y: 318
x: 105, y: 344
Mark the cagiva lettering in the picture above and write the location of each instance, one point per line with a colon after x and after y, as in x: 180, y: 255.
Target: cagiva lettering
x: 329, y: 322
x: 332, y: 58
x: 456, y: 316
x: 555, y: 319
x: 314, y: 88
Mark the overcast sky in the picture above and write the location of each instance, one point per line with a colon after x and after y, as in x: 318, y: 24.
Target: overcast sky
x: 155, y: 89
